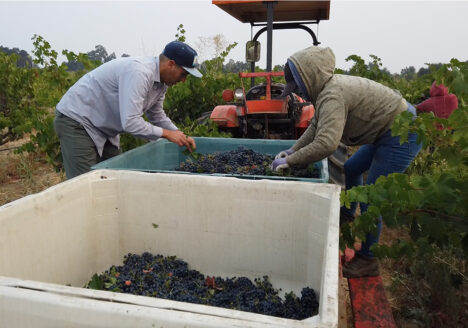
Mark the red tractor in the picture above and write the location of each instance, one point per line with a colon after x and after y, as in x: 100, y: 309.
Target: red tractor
x: 258, y: 111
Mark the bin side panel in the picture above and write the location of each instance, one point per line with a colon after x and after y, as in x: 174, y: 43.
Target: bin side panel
x: 30, y: 308
x: 54, y: 236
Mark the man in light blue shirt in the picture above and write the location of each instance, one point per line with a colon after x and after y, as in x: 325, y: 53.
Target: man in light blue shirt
x: 113, y: 98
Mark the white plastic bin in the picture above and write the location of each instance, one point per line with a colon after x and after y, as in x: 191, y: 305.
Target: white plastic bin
x: 51, y: 243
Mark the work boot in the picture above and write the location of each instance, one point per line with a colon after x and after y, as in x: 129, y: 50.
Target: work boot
x: 345, y: 216
x: 361, y: 266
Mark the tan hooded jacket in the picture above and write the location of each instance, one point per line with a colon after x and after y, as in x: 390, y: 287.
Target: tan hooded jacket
x: 352, y: 109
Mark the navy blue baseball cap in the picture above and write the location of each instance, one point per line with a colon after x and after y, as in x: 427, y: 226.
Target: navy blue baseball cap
x: 184, y: 56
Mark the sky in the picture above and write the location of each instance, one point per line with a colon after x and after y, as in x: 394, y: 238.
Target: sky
x: 401, y: 33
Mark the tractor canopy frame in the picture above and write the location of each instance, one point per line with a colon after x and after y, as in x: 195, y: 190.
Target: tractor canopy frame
x: 291, y: 14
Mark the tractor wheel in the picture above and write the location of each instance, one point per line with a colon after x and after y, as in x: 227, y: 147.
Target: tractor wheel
x: 336, y: 165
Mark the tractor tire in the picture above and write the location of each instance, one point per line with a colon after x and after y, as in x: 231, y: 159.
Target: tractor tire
x: 336, y: 165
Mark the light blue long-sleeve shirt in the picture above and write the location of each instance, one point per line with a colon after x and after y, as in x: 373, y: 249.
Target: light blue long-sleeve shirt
x: 112, y: 99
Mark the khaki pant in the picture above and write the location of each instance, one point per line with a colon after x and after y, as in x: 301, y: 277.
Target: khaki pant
x: 78, y: 150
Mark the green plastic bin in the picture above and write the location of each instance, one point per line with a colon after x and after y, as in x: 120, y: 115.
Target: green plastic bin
x: 165, y: 156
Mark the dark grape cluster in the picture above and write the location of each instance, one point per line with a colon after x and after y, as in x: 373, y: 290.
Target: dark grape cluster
x: 242, y: 161
x: 170, y: 278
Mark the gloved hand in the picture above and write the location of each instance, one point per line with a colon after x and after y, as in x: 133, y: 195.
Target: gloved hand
x: 279, y: 164
x: 284, y: 153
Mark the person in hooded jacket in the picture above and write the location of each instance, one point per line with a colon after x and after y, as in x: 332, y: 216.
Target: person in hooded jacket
x: 441, y: 102
x: 357, y: 111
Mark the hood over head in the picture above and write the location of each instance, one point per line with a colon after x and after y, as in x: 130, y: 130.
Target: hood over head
x: 315, y: 66
x: 438, y: 90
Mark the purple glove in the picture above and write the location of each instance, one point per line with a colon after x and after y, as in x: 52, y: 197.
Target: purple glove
x: 279, y: 164
x: 284, y: 153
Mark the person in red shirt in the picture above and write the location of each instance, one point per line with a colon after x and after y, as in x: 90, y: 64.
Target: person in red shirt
x: 441, y: 102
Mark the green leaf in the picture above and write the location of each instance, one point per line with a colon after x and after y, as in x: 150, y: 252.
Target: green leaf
x: 192, y: 154
x: 96, y: 282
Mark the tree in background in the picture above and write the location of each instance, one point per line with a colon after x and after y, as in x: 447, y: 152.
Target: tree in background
x: 24, y: 59
x: 408, y: 73
x: 98, y: 55
x: 236, y: 66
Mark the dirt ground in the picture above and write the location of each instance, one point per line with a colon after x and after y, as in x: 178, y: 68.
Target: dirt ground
x: 25, y: 174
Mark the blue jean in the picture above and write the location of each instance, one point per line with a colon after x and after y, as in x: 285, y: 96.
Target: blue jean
x: 381, y: 158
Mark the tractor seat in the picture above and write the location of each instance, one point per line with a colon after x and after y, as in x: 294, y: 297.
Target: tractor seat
x: 259, y: 91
